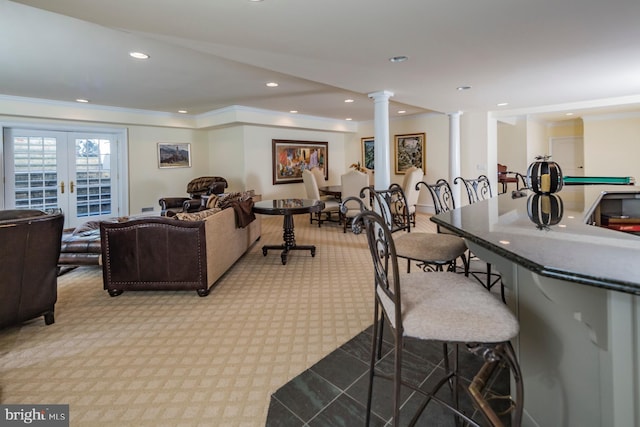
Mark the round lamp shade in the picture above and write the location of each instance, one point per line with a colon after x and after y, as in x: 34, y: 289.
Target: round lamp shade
x: 544, y: 210
x: 544, y: 176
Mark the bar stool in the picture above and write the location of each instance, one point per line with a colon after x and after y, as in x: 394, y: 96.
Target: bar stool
x: 432, y: 251
x: 479, y: 189
x: 443, y: 307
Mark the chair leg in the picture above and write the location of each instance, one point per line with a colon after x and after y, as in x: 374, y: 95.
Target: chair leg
x: 372, y: 362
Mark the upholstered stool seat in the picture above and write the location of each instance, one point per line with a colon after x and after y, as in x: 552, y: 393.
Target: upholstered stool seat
x: 435, y: 249
x: 458, y: 309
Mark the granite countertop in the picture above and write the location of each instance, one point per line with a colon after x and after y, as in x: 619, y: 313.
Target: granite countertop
x: 569, y: 250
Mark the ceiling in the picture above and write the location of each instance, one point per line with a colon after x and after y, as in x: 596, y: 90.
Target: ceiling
x: 542, y: 56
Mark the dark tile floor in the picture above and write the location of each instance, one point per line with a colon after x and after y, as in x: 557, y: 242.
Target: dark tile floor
x: 333, y: 391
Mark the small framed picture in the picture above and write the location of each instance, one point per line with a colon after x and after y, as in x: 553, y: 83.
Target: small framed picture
x: 368, y: 151
x: 410, y: 151
x: 174, y: 155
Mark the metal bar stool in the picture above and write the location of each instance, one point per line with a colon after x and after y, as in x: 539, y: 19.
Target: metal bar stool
x: 479, y: 189
x: 443, y: 307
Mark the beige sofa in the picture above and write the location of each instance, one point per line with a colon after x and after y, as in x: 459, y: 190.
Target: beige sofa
x: 189, y: 253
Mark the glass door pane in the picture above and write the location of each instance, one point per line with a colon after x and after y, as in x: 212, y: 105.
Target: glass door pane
x: 93, y: 180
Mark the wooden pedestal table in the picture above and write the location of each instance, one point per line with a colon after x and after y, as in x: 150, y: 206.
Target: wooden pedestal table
x: 288, y: 208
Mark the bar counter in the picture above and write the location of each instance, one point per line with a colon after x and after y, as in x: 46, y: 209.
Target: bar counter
x: 575, y: 288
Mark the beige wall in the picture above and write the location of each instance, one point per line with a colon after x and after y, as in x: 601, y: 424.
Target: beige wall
x: 242, y: 153
x: 612, y: 145
x: 512, y: 145
x: 148, y: 183
x: 436, y: 128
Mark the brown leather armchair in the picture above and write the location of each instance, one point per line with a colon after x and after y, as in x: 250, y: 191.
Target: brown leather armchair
x: 29, y: 251
x: 196, y: 188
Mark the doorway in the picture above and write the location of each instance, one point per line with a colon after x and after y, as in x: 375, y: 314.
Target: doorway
x: 76, y: 172
x: 568, y: 152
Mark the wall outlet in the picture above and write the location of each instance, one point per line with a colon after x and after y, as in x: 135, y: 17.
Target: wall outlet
x: 481, y: 168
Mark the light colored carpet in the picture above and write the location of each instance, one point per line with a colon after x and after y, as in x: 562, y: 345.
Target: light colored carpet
x: 175, y: 359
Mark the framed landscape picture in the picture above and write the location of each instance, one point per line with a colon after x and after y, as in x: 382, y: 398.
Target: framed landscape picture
x: 290, y: 158
x: 368, y: 152
x: 174, y: 155
x: 410, y: 151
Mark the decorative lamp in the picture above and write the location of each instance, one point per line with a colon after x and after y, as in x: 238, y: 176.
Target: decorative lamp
x: 544, y: 176
x: 544, y: 210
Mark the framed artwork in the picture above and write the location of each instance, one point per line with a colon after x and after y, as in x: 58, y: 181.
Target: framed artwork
x: 368, y: 151
x: 290, y: 158
x: 410, y: 151
x: 174, y: 155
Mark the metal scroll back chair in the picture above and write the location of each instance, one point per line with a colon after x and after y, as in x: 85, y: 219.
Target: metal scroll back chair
x: 431, y: 251
x: 442, y: 307
x: 479, y: 189
x: 352, y: 184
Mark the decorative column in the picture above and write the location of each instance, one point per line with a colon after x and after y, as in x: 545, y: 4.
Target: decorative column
x: 381, y: 139
x: 454, y: 154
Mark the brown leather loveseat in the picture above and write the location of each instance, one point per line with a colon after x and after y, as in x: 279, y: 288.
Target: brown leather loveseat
x: 188, y: 252
x: 29, y: 250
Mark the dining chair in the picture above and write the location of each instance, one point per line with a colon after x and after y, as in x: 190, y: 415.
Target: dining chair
x: 319, y: 175
x: 412, y: 176
x: 505, y: 177
x: 441, y: 307
x: 479, y: 189
x: 352, y: 184
x: 330, y: 205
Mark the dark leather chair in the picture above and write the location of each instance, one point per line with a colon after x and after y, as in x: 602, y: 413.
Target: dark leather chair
x: 196, y: 188
x: 29, y: 251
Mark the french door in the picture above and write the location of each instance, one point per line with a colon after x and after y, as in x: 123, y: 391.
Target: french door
x: 68, y: 170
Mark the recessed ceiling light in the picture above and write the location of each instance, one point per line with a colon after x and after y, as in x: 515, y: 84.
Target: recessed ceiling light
x: 503, y: 104
x: 402, y: 111
x: 348, y: 100
x: 82, y: 100
x: 463, y: 87
x: 138, y: 55
x: 182, y: 111
x: 348, y: 119
x: 400, y: 58
x: 272, y: 84
x: 292, y: 111
x: 569, y: 114
x: 255, y: 1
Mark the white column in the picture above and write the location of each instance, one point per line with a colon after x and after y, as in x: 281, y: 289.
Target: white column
x: 381, y: 139
x: 454, y: 154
